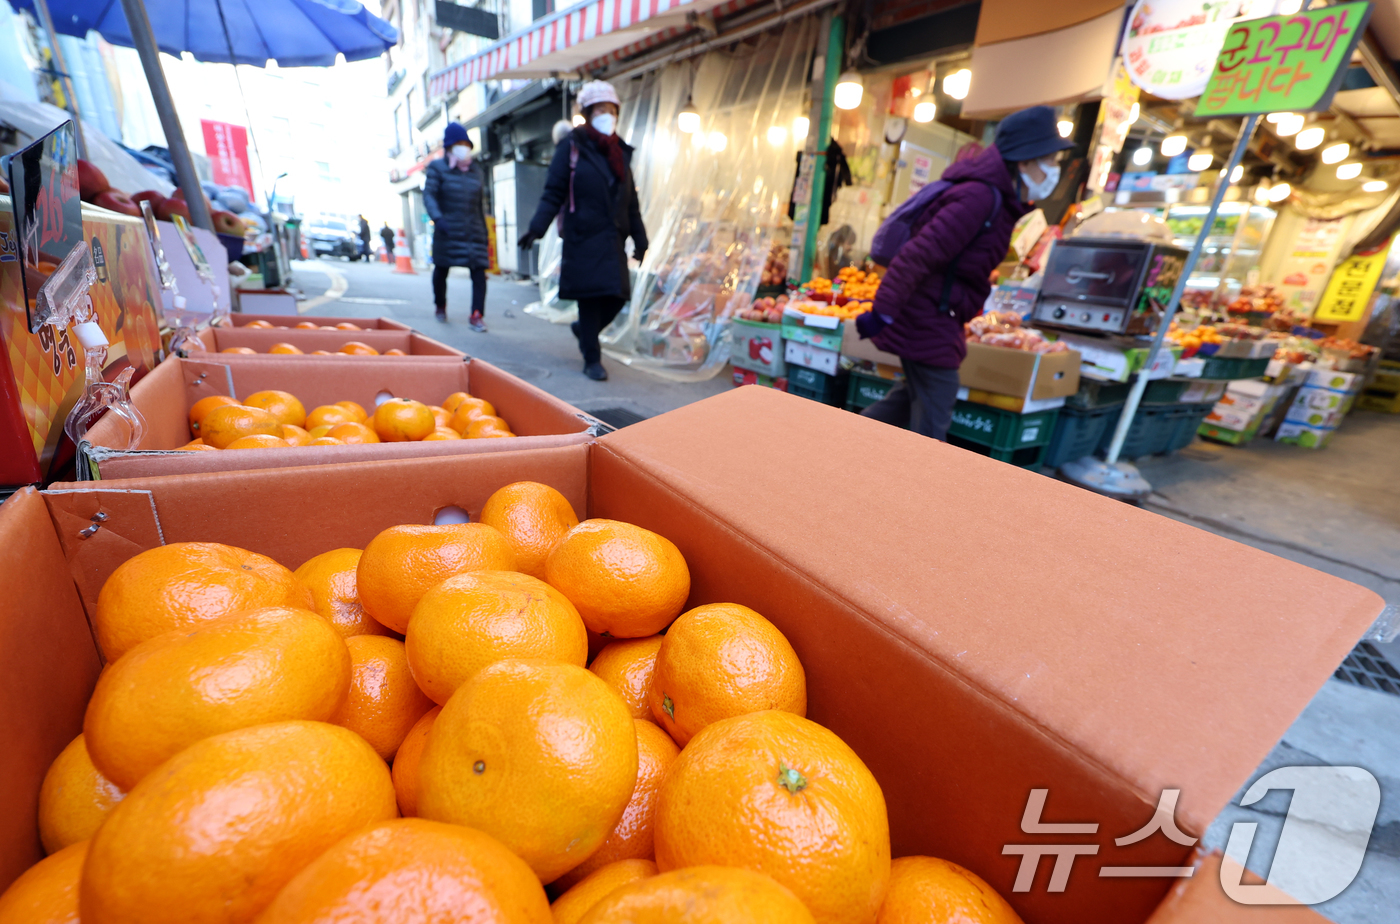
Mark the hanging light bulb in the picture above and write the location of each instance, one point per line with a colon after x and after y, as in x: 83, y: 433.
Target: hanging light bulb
x: 578, y: 118
x: 1290, y: 124
x: 1276, y: 117
x: 849, y: 90
x: 1200, y: 161
x: 1142, y: 156
x: 1336, y: 153
x: 1237, y: 173
x: 1261, y: 192
x: 925, y: 111
x: 800, y: 127
x: 1134, y: 113
x: 1310, y: 138
x: 1280, y: 191
x: 1173, y: 145
x: 1349, y: 171
x: 717, y: 141
x: 957, y: 84
x: 777, y: 134
x: 1375, y: 186
x: 1065, y: 126
x: 688, y: 119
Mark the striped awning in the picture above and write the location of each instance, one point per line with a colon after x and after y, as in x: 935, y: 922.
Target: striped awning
x: 563, y: 42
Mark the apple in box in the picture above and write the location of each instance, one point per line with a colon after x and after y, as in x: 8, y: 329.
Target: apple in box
x: 172, y: 206
x: 227, y: 223
x: 91, y: 181
x: 114, y: 200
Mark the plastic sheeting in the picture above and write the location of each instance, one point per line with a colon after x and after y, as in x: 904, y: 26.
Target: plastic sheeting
x: 714, y: 202
x: 550, y: 306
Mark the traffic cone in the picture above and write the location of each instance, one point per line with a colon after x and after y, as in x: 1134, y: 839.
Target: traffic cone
x: 403, y: 259
x: 303, y: 249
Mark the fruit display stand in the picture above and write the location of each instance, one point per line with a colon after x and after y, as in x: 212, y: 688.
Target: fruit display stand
x: 1099, y: 716
x: 165, y: 397
x: 412, y: 343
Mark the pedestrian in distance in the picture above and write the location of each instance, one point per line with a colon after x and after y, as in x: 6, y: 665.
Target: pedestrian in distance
x: 590, y: 187
x: 364, y: 238
x: 386, y: 234
x: 454, y: 195
x: 939, y: 277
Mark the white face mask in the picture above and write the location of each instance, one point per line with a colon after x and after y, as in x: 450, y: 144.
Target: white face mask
x: 462, y: 153
x: 1037, y: 191
x: 605, y: 122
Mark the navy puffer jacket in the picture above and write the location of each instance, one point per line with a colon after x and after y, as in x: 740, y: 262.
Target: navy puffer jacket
x: 911, y: 290
x: 456, y: 202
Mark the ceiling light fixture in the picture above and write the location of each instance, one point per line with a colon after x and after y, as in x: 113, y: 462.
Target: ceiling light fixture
x: 1173, y: 145
x: 1349, y: 171
x: 957, y: 84
x: 1065, y: 126
x: 1199, y: 162
x: 849, y: 91
x: 1375, y: 186
x: 1142, y: 156
x: 1237, y: 173
x: 1279, y: 192
x: 688, y: 119
x: 1336, y: 153
x: 1290, y: 124
x: 800, y: 126
x: 925, y: 111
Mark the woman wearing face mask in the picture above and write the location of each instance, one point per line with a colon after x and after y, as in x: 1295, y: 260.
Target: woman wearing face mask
x: 590, y: 184
x: 940, y: 278
x: 455, y: 198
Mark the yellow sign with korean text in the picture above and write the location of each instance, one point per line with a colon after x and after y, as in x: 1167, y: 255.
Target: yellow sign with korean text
x: 1349, y: 291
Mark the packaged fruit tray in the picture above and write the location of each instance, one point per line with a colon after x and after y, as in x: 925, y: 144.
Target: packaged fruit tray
x: 320, y: 410
x: 742, y: 508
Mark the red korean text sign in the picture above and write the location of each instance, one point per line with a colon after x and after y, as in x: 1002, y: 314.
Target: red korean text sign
x: 227, y: 148
x: 1290, y: 63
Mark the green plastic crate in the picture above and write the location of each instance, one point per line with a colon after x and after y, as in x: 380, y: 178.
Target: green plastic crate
x: 1078, y: 432
x: 1186, y: 421
x: 1095, y: 393
x: 1001, y: 430
x: 817, y: 386
x: 864, y: 390
x: 1217, y: 367
x: 1025, y: 457
x: 1164, y: 391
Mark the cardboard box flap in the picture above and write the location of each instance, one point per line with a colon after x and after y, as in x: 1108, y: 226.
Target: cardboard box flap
x: 49, y: 664
x: 1081, y: 613
x: 1201, y: 900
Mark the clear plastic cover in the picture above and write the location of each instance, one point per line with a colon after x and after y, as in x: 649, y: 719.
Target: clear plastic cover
x: 63, y: 298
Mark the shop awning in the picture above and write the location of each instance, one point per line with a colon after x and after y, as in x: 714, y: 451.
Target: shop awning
x: 563, y: 42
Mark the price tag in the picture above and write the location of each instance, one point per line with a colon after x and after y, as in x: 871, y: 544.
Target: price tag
x: 48, y: 210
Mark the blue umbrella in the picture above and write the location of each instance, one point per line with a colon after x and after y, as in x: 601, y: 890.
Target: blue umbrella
x: 294, y: 33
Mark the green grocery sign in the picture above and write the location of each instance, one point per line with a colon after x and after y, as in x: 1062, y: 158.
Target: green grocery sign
x: 1290, y: 63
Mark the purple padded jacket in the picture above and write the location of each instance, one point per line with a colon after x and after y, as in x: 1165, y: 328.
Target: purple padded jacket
x: 910, y: 291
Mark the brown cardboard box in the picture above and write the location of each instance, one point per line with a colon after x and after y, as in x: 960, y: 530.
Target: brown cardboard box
x: 218, y: 339
x: 856, y: 348
x: 289, y: 321
x: 962, y: 684
x: 165, y: 396
x: 1018, y: 373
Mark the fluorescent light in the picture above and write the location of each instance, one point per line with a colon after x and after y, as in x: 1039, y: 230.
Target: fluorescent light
x: 1065, y: 126
x: 1276, y: 117
x: 1199, y: 162
x: 1142, y: 156
x: 717, y: 141
x: 1173, y: 145
x: 777, y: 135
x: 1279, y: 192
x: 957, y: 84
x: 925, y: 111
x: 1349, y: 171
x: 1375, y: 186
x: 849, y: 90
x: 1310, y: 138
x: 1134, y: 113
x: 1335, y: 153
x: 578, y: 118
x: 1237, y: 173
x: 1290, y: 124
x: 688, y: 119
x: 800, y: 127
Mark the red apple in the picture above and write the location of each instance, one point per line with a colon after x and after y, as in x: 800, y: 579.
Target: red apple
x: 91, y: 181
x: 227, y: 223
x: 172, y: 207
x: 148, y: 195
x: 114, y: 200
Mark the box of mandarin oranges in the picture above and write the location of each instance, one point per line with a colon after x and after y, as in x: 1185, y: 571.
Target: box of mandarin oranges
x: 272, y: 335
x: 665, y: 675
x: 226, y: 412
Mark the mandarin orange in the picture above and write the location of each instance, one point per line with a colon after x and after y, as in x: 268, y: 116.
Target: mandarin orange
x: 361, y: 416
x: 74, y: 798
x: 534, y: 517
x: 330, y: 578
x: 701, y: 895
x: 402, y: 420
x: 401, y: 563
x: 480, y: 426
x: 406, y: 761
x: 280, y: 404
x: 223, y: 425
x: 627, y: 666
x: 326, y: 441
x: 384, y: 702
x: 353, y: 433
x: 346, y: 325
x: 442, y: 418
x: 927, y: 890
x: 442, y: 433
x: 584, y: 893
x: 285, y: 348
x: 468, y: 409
x: 47, y: 892
x: 244, y: 350
x: 357, y: 348
x: 203, y: 406
x: 328, y: 415
x: 259, y: 325
x: 295, y: 436
x: 450, y: 403
x: 259, y: 441
x: 626, y: 581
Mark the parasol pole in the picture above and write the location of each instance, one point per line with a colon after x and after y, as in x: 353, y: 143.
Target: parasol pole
x: 145, y: 41
x: 61, y: 66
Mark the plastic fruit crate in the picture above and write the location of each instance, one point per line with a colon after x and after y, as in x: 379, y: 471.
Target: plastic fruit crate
x: 1217, y: 367
x: 1164, y: 391
x: 1149, y: 433
x: 1094, y: 393
x: 818, y: 386
x: 1025, y: 457
x: 1078, y: 432
x: 999, y: 429
x: 1187, y: 420
x: 864, y: 390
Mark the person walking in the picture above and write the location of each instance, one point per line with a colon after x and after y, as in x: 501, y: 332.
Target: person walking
x: 454, y: 195
x: 939, y: 279
x: 590, y: 185
x: 364, y: 238
x: 386, y: 234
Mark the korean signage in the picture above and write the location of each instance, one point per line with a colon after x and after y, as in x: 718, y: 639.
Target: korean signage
x: 1284, y: 63
x: 1171, y: 45
x: 44, y: 186
x: 227, y: 148
x: 1349, y: 291
x: 1303, y: 273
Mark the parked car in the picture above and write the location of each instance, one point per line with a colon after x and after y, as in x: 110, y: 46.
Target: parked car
x: 329, y: 236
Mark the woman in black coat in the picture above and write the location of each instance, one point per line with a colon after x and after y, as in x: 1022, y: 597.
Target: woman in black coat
x: 455, y: 197
x: 590, y: 180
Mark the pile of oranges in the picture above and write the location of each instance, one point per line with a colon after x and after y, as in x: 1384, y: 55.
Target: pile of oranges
x: 277, y: 419
x: 858, y: 285
x: 257, y: 734
x: 352, y: 348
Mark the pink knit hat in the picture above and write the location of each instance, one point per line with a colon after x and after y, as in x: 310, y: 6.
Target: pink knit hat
x: 597, y: 91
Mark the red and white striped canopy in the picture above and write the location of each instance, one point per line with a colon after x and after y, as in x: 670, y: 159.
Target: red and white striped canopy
x: 564, y: 41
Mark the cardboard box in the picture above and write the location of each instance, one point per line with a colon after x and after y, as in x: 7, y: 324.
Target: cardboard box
x: 165, y: 396
x: 813, y: 357
x: 853, y: 347
x: 1018, y: 373
x: 818, y: 330
x: 289, y: 322
x: 1300, y: 434
x: 1008, y: 403
x: 937, y: 670
x: 1316, y: 418
x: 756, y: 346
x: 1348, y: 382
x: 1231, y: 419
x: 1201, y: 392
x: 1116, y: 361
x: 1312, y: 398
x: 218, y: 339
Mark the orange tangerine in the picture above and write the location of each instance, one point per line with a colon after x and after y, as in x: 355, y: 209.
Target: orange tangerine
x: 481, y: 426
x: 626, y: 581
x: 356, y: 348
x: 258, y: 441
x: 441, y: 416
x: 384, y: 702
x: 443, y: 433
x: 203, y: 406
x: 47, y: 893
x: 328, y: 415
x: 259, y: 325
x: 322, y: 430
x: 627, y: 666
x: 330, y: 577
x: 225, y: 424
x: 402, y: 563
x: 354, y: 433
x: 357, y: 409
x: 406, y: 760
x: 74, y: 798
x: 285, y: 348
x: 346, y: 325
x: 280, y: 404
x: 534, y: 517
x: 924, y: 889
x: 469, y: 408
x: 581, y: 896
x: 326, y: 441
x: 402, y: 420
x: 395, y: 352
x: 295, y: 436
x: 238, y: 350
x: 450, y: 403
x: 307, y: 325
x: 700, y: 895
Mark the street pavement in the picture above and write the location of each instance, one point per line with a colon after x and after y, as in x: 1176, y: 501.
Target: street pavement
x: 1337, y: 510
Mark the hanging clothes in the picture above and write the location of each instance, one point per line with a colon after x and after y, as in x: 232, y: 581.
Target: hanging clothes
x: 838, y: 174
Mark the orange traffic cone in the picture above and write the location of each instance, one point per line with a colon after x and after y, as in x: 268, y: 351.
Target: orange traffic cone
x: 303, y: 249
x: 403, y: 259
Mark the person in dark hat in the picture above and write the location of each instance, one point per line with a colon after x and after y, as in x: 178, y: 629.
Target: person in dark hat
x: 454, y: 195
x: 940, y: 277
